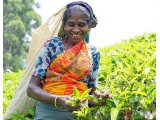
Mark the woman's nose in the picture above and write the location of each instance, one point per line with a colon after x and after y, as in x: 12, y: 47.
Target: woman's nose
x: 76, y: 29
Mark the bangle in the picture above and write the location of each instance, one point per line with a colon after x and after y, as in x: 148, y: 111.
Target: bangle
x: 55, y: 100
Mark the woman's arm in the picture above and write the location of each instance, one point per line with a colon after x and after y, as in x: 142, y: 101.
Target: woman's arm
x: 35, y: 91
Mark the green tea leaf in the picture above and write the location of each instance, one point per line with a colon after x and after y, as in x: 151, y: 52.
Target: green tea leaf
x: 133, y: 80
x: 85, y: 93
x: 114, y: 113
x: 138, y: 92
x: 95, y: 99
x: 76, y: 92
x: 124, y: 92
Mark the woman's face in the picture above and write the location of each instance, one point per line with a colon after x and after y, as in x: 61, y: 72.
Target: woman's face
x: 76, y: 27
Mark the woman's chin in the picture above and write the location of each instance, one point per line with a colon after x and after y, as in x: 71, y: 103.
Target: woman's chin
x: 76, y: 40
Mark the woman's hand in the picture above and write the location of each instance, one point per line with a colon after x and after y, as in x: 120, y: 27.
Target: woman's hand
x: 106, y: 93
x: 101, y: 95
x: 98, y: 95
x: 65, y: 102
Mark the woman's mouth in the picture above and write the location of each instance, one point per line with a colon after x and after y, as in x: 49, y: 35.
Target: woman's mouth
x: 75, y: 36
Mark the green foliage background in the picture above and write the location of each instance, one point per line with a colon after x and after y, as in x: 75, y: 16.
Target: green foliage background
x: 19, y: 18
x: 127, y: 70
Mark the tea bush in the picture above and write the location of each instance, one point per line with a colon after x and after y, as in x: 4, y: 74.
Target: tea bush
x: 128, y: 70
x: 10, y: 83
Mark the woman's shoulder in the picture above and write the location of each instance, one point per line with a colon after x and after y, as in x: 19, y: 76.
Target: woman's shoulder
x: 52, y: 41
x: 56, y: 39
x: 94, y: 50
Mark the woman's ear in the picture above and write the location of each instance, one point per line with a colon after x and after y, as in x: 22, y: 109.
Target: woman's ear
x: 92, y: 23
x: 89, y: 25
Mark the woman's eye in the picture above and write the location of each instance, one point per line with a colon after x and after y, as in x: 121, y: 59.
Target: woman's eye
x: 82, y: 24
x: 71, y: 24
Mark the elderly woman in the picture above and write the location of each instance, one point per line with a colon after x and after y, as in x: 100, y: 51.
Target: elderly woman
x: 65, y: 61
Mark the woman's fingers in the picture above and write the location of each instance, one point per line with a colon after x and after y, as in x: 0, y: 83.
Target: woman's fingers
x: 67, y: 103
x: 97, y: 94
x: 107, y: 94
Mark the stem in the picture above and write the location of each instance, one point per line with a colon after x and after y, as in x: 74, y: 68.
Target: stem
x: 127, y: 114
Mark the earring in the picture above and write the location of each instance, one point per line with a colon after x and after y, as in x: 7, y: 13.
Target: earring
x: 87, y: 38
